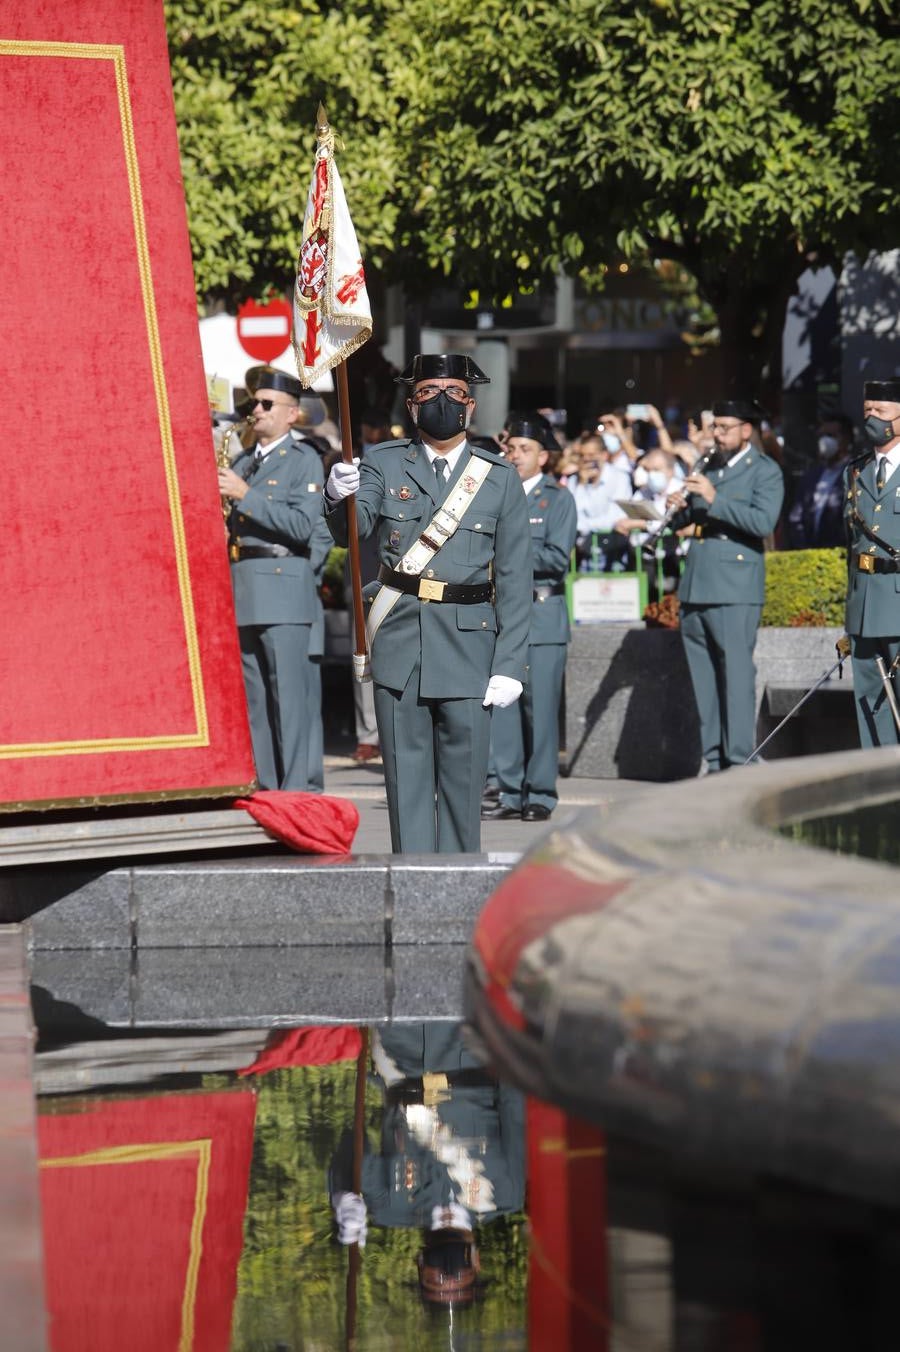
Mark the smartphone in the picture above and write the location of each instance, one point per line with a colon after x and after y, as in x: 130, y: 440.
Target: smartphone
x: 638, y: 411
x: 706, y: 418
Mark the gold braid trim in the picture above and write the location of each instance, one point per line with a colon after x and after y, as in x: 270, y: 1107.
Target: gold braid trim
x: 152, y: 1152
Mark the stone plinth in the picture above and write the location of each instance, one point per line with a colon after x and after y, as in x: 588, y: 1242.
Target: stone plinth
x: 630, y: 710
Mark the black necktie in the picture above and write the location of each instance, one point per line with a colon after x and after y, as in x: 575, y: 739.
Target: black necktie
x: 255, y: 462
x: 882, y: 475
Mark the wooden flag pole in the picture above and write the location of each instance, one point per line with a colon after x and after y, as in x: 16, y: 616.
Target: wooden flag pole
x: 359, y: 1136
x: 360, y: 655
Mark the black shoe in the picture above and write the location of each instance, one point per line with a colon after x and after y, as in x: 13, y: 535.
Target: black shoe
x: 499, y: 812
x: 490, y: 793
x: 535, y: 812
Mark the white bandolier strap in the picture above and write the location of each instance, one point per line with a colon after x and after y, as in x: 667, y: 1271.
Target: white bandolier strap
x: 441, y: 528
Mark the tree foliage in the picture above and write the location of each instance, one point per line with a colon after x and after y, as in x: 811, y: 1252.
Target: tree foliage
x: 496, y: 144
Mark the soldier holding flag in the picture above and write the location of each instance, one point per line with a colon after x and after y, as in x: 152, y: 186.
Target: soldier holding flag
x: 449, y: 616
x: 447, y: 628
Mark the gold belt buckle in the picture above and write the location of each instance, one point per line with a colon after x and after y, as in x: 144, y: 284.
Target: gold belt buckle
x: 698, y: 531
x: 865, y: 563
x: 435, y: 1089
x: 234, y: 553
x: 430, y: 589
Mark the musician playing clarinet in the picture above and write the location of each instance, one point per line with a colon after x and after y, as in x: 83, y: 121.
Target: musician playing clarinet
x: 732, y: 503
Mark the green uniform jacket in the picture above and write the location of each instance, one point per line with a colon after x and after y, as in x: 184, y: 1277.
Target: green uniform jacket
x: 873, y: 599
x: 459, y: 646
x: 749, y: 495
x: 283, y: 507
x: 552, y: 516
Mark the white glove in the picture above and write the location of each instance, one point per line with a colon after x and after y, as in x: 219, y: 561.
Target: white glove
x: 343, y: 480
x: 350, y: 1214
x: 502, y: 691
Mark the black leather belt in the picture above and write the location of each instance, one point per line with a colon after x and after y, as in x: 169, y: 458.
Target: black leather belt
x: 737, y: 537
x: 868, y: 563
x: 237, y: 552
x: 430, y: 589
x: 438, y: 1085
x: 544, y: 589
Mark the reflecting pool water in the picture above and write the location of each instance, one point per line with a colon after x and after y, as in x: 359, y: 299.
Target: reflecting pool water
x: 872, y: 831
x: 373, y: 1188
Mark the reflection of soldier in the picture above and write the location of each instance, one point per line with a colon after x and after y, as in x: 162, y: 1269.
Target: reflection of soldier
x: 452, y: 1155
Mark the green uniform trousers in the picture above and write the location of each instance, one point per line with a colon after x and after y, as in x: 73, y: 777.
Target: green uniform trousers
x: 277, y: 670
x: 873, y: 712
x: 525, y: 737
x: 718, y: 644
x: 434, y: 753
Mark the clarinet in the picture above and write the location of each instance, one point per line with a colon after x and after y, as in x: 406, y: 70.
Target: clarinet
x: 699, y: 465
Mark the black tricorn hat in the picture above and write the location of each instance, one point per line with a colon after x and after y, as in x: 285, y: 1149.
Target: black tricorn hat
x: 534, y: 426
x: 888, y: 390
x: 442, y: 366
x: 267, y: 378
x: 748, y: 410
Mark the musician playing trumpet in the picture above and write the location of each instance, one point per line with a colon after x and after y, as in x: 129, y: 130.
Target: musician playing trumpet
x: 733, y: 502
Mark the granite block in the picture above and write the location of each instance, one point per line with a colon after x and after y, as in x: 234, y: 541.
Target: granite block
x: 71, y: 908
x: 80, y: 994
x: 437, y: 898
x: 630, y: 711
x: 261, y: 903
x: 259, y: 987
x: 428, y: 981
x: 21, y: 1277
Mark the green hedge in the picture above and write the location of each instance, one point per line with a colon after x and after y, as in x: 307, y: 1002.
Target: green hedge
x: 805, y: 587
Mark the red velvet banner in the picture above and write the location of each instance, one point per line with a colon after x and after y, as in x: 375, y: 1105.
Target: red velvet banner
x: 119, y: 663
x: 143, y: 1207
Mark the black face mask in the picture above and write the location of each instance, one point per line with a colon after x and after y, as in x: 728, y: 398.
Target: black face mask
x: 878, y: 430
x: 441, y: 418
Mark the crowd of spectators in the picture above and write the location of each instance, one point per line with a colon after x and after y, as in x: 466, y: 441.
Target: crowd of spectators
x: 634, y: 456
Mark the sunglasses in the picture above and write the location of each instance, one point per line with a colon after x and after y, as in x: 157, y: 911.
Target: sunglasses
x: 268, y: 404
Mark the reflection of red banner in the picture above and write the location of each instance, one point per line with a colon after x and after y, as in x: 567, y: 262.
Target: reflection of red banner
x: 143, y: 1207
x: 568, y: 1292
x: 315, y: 1045
x: 118, y: 652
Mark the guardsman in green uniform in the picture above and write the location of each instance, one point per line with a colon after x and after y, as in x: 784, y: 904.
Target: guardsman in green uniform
x: 274, y: 526
x: 872, y: 514
x: 733, y: 503
x: 525, y: 737
x: 448, y: 618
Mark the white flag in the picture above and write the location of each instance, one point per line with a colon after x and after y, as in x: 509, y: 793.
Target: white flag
x: 332, y: 314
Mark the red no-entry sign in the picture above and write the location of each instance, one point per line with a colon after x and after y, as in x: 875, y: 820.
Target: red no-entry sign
x: 264, y: 331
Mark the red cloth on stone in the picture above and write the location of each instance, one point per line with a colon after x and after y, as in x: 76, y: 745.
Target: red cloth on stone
x: 314, y: 823
x: 316, y: 1045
